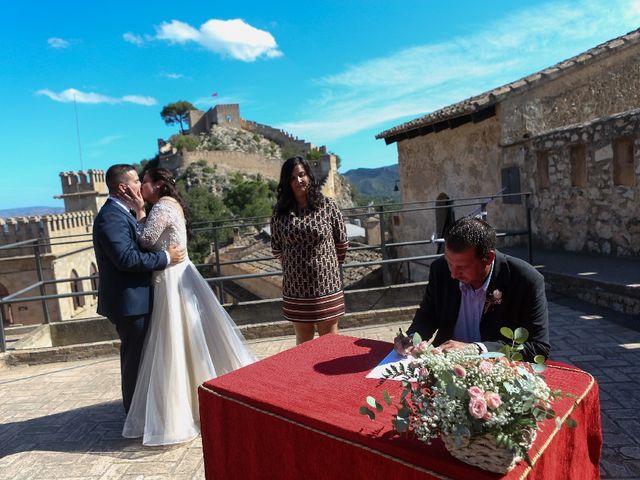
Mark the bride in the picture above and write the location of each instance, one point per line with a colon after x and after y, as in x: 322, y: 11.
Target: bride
x: 191, y: 338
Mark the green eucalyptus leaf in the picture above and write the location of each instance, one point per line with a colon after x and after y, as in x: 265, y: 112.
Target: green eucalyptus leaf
x: 539, y: 359
x: 373, y: 403
x: 558, y: 423
x: 367, y: 412
x: 571, y: 423
x: 386, y: 397
x: 416, y: 339
x: 520, y: 335
x: 538, y: 367
x: 400, y: 424
x: 517, y: 356
x: 507, y: 332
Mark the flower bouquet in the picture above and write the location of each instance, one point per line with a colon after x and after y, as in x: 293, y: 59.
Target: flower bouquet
x: 486, y: 408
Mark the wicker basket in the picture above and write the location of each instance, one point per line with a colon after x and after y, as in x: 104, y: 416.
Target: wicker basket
x: 481, y: 452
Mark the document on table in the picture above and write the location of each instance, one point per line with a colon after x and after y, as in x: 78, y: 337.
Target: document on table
x: 392, y: 358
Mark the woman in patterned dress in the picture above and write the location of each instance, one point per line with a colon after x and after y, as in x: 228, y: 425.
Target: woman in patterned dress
x: 309, y: 237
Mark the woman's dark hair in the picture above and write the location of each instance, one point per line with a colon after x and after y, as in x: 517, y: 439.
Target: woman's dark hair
x: 163, y: 179
x: 286, y: 200
x: 471, y: 232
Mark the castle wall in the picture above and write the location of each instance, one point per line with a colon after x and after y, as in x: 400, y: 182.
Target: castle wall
x: 278, y: 136
x: 19, y: 273
x: 249, y: 163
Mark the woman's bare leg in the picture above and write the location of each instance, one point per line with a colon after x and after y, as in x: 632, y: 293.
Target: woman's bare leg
x: 304, y: 332
x: 329, y: 326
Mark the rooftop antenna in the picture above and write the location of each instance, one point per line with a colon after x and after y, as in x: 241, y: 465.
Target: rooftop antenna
x: 75, y: 108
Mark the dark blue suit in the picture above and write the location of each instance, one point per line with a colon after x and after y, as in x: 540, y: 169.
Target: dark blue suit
x: 124, y: 290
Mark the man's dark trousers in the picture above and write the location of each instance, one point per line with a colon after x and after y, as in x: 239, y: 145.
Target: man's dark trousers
x: 132, y: 331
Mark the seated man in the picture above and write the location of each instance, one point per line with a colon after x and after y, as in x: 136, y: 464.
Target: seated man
x: 474, y: 291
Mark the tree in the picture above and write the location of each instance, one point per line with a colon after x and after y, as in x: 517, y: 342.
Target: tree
x: 177, y: 113
x: 250, y: 198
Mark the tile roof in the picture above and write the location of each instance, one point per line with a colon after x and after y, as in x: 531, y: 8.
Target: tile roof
x: 492, y: 97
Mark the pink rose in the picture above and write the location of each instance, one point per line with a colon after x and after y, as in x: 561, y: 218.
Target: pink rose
x: 475, y: 392
x: 422, y: 347
x: 477, y: 407
x: 487, y: 417
x: 436, y: 350
x: 485, y: 367
x: 423, y: 372
x: 493, y: 400
x: 459, y: 371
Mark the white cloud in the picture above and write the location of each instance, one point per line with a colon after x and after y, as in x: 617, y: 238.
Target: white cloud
x: 424, y: 78
x: 173, y: 76
x: 233, y: 38
x: 71, y: 94
x: 59, y: 43
x: 133, y: 38
x: 108, y: 140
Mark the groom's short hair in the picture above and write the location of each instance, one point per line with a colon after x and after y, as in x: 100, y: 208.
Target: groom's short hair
x: 117, y: 174
x: 471, y: 232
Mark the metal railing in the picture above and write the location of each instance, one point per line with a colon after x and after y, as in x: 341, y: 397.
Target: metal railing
x: 214, y: 227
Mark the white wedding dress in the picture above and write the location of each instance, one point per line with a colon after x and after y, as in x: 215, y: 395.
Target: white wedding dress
x: 190, y: 339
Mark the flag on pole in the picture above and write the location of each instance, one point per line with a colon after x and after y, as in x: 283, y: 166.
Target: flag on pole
x: 214, y: 94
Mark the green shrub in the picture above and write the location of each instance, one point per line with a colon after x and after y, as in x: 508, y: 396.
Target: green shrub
x: 186, y: 142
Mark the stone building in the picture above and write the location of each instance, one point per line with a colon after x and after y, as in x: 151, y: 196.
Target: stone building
x: 66, y: 251
x: 569, y: 134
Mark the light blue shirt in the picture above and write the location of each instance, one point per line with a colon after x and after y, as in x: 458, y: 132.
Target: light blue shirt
x: 467, y: 327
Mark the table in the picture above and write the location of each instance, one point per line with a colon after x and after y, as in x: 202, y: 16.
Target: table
x: 295, y: 416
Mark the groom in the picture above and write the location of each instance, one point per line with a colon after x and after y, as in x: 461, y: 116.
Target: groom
x: 475, y: 290
x: 124, y: 290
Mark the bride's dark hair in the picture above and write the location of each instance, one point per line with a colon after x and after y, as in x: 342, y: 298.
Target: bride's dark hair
x: 166, y: 183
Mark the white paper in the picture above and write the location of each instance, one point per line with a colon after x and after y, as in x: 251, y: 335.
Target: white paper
x: 392, y: 358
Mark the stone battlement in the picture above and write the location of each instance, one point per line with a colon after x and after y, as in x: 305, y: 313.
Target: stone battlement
x: 47, y: 227
x: 83, y: 181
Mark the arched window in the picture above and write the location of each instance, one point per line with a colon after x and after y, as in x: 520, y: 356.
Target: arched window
x: 76, y: 287
x: 93, y: 271
x: 6, y: 309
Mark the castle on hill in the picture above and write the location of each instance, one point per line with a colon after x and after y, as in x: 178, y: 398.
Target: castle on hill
x: 324, y: 164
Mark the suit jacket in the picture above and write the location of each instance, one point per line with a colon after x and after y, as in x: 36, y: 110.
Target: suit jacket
x: 124, y: 269
x: 524, y: 304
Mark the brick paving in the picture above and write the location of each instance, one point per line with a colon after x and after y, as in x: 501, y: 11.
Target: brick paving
x: 64, y: 420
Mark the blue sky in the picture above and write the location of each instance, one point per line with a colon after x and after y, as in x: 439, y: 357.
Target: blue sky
x: 332, y: 72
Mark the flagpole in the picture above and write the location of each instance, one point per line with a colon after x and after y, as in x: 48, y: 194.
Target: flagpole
x: 75, y: 108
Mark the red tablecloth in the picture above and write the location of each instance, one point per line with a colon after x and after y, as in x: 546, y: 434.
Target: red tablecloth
x: 295, y: 416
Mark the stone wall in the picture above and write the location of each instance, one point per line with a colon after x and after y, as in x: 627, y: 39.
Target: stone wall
x: 600, y: 217
x: 456, y: 163
x: 584, y: 92
x: 228, y: 162
x: 278, y: 136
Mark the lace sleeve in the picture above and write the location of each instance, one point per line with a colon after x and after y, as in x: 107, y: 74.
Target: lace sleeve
x: 159, y: 218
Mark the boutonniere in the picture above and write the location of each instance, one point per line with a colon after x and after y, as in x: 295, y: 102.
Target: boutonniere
x: 493, y: 298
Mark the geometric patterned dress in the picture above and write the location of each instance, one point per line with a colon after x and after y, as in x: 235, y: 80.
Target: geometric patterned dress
x: 311, y: 244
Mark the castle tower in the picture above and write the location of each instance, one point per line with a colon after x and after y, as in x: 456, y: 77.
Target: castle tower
x: 83, y: 190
